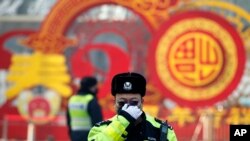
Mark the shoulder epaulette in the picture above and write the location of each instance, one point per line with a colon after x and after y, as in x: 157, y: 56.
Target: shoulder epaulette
x: 158, y: 120
x: 161, y: 122
x: 105, y: 122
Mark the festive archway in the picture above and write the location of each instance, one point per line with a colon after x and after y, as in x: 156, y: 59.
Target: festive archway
x: 50, y: 37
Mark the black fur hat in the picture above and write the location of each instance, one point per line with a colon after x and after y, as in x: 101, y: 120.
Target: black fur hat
x: 129, y: 82
x: 86, y: 83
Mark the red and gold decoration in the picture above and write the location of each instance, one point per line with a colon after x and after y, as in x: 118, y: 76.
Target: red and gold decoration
x: 29, y: 72
x: 193, y: 53
x: 47, y: 70
x: 198, y: 58
x: 38, y: 108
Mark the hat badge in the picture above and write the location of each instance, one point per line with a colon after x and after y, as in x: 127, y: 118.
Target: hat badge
x: 127, y: 86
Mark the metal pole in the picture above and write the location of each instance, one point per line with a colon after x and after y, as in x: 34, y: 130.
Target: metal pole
x: 208, y: 127
x: 197, y: 129
x: 5, y: 129
x: 31, y: 132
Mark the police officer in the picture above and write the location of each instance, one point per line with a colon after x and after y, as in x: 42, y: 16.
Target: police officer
x: 130, y: 123
x: 83, y: 110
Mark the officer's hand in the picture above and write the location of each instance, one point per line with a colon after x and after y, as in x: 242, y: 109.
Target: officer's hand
x: 134, y: 111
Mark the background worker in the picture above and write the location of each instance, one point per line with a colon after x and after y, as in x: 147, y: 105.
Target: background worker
x: 83, y: 110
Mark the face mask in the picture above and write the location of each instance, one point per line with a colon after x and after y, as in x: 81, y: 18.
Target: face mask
x: 94, y: 91
x: 133, y: 102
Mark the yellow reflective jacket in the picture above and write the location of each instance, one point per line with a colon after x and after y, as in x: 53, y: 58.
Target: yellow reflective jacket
x: 80, y: 119
x: 120, y: 128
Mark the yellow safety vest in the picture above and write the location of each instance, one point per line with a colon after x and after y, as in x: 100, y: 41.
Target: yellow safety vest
x: 80, y: 119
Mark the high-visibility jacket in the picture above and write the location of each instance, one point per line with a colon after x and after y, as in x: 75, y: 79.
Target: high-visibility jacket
x: 80, y: 118
x: 119, y: 128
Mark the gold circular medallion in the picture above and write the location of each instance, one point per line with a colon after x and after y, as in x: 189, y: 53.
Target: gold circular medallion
x: 199, y: 58
x: 195, y: 59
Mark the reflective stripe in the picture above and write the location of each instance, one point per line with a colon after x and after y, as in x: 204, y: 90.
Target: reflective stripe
x: 78, y: 106
x: 80, y: 123
x: 80, y: 128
